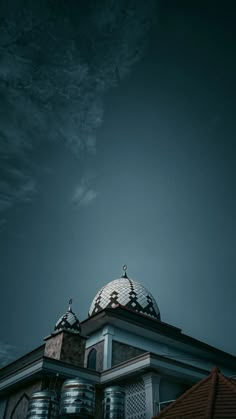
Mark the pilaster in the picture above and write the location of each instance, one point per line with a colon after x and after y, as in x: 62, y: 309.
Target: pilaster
x: 108, y: 333
x: 152, y: 392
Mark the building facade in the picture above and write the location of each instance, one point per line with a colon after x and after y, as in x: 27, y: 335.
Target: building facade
x: 123, y: 350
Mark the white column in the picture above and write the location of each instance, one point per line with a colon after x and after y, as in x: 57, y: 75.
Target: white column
x: 107, y: 354
x: 152, y: 392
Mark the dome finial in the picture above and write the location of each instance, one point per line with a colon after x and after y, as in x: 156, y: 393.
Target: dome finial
x: 124, y: 269
x: 70, y: 305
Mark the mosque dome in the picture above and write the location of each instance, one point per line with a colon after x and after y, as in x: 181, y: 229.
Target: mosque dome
x: 127, y: 293
x: 68, y: 322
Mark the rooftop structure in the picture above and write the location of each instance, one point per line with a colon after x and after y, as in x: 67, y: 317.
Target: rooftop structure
x: 123, y: 354
x: 212, y: 397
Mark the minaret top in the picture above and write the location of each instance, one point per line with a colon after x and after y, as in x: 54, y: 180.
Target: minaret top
x: 68, y: 322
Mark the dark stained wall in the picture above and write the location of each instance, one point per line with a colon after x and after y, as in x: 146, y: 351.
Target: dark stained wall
x: 66, y: 347
x: 53, y: 346
x: 98, y: 403
x: 122, y: 352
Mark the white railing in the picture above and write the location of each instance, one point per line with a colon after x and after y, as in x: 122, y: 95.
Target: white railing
x: 165, y: 403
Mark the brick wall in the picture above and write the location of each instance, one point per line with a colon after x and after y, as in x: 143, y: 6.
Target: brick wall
x: 122, y: 352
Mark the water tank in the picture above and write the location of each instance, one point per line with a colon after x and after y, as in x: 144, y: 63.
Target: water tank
x: 77, y: 399
x: 114, y: 403
x: 43, y: 405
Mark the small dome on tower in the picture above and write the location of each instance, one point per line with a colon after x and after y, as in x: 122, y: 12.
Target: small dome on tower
x: 68, y: 322
x: 128, y: 293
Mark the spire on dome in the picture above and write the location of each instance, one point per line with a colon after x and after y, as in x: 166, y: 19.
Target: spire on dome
x: 70, y: 306
x: 124, y: 274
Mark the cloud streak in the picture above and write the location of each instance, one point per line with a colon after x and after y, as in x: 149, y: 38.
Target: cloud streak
x: 7, y: 353
x: 57, y: 61
x: 84, y: 193
x: 17, y: 187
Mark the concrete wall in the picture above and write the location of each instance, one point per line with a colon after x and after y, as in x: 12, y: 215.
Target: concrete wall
x: 67, y: 347
x: 98, y: 403
x: 53, y: 346
x: 72, y: 351
x: 122, y: 352
x: 202, y: 359
x: 171, y: 390
x: 3, y: 405
x: 17, y: 403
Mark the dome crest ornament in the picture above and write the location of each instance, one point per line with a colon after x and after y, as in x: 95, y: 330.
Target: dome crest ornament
x: 70, y: 306
x: 124, y: 274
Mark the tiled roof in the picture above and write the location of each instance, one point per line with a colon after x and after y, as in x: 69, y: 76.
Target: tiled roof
x: 214, y: 397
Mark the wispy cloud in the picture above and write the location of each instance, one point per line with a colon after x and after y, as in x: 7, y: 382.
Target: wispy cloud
x: 7, y: 353
x: 18, y: 187
x: 83, y: 193
x: 56, y: 64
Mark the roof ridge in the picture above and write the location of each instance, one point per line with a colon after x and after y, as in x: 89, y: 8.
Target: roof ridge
x: 212, y: 393
x: 184, y: 395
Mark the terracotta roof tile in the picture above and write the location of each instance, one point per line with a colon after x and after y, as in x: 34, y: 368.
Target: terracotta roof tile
x: 214, y: 397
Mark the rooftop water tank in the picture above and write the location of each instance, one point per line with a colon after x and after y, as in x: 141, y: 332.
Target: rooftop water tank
x: 43, y: 405
x: 114, y: 403
x: 77, y: 399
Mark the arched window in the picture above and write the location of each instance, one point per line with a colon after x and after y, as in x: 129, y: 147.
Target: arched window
x: 21, y: 407
x: 92, y: 359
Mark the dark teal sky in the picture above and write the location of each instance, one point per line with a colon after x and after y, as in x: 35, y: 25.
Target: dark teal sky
x: 117, y: 146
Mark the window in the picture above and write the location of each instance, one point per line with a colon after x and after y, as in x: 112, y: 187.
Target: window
x: 92, y: 359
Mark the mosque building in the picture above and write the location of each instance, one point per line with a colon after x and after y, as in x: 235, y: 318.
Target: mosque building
x: 122, y: 361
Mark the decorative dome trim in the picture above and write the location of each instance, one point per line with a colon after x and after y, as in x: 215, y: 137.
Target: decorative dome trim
x: 128, y: 293
x: 68, y: 322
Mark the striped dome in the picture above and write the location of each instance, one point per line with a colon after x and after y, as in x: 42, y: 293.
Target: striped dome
x: 128, y: 293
